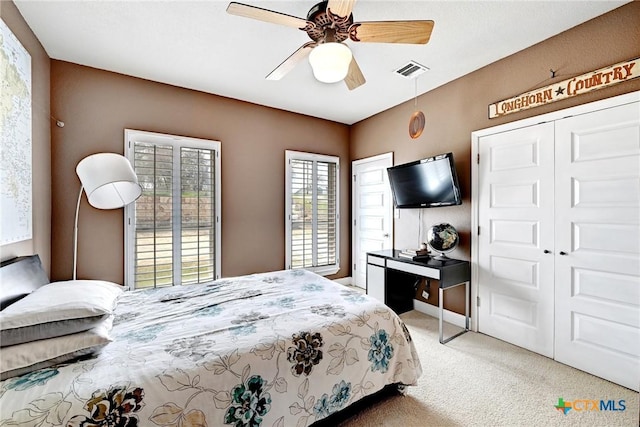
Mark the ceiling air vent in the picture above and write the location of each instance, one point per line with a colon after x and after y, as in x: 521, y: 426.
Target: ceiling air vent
x: 411, y: 70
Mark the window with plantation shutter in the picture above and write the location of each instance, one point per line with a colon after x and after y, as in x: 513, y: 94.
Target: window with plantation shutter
x: 172, y: 233
x: 312, y: 212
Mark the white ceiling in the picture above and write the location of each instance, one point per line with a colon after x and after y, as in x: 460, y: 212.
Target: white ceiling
x: 197, y: 45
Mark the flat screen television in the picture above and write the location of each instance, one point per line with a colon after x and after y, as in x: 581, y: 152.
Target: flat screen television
x: 426, y: 183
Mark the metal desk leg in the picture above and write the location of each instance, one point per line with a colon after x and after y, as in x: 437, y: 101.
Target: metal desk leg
x: 440, y: 304
x: 440, y: 313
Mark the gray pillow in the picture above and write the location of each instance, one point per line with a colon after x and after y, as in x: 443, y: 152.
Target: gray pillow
x: 21, y: 359
x: 42, y: 331
x: 57, y: 309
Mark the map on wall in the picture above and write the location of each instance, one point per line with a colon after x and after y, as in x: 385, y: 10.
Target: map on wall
x: 15, y: 146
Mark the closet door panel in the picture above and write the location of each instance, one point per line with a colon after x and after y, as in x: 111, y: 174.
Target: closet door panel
x: 597, y: 261
x: 516, y: 226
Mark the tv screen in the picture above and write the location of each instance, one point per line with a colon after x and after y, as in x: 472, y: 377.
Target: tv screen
x: 426, y: 183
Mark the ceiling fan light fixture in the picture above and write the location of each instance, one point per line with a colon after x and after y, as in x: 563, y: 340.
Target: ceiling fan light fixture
x: 330, y: 62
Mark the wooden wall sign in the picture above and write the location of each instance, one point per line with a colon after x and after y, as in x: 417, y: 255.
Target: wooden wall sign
x: 578, y: 85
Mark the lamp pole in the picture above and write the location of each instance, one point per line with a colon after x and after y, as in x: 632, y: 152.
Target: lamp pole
x: 75, y: 235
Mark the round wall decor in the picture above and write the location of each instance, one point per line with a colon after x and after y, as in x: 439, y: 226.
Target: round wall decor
x: 416, y: 124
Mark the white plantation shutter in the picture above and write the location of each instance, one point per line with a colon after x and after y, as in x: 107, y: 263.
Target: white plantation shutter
x: 198, y: 212
x: 301, y: 204
x: 312, y: 232
x: 173, y: 229
x: 153, y: 215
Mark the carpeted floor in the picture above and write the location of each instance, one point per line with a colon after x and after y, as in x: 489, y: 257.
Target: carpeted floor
x: 476, y: 380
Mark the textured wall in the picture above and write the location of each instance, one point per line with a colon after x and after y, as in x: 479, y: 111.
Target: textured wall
x: 98, y: 105
x: 456, y: 109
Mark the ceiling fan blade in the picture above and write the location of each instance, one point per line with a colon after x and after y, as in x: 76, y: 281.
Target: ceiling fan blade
x: 289, y: 63
x: 266, y: 15
x: 415, y: 32
x: 354, y: 78
x: 341, y: 8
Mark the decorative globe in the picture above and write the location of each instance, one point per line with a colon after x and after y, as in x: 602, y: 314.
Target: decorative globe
x: 442, y: 238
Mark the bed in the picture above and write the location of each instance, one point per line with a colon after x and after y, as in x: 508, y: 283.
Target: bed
x: 285, y: 348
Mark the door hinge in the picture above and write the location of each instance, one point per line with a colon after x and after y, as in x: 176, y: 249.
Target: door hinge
x: 478, y: 230
x: 354, y: 178
x: 478, y: 159
x: 354, y: 267
x: 477, y: 301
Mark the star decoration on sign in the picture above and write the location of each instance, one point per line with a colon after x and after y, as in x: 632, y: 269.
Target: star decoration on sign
x: 560, y: 91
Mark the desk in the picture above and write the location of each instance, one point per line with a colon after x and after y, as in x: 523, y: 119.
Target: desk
x: 386, y: 267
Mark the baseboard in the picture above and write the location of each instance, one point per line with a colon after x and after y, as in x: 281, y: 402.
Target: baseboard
x: 431, y: 310
x: 428, y: 309
x: 347, y: 281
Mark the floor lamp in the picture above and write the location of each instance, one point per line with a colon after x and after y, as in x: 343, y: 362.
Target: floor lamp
x: 109, y: 182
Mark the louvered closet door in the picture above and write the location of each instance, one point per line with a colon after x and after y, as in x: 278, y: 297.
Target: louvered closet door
x: 516, y: 227
x: 597, y: 227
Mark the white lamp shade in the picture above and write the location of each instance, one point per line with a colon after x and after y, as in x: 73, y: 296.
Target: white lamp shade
x: 330, y: 62
x: 109, y: 180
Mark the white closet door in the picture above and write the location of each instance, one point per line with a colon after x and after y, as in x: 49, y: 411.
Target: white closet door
x: 515, y: 206
x: 598, y: 228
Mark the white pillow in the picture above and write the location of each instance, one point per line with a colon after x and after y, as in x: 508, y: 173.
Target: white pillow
x: 21, y: 359
x: 57, y: 309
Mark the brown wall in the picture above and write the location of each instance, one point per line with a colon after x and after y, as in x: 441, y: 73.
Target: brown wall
x: 41, y: 142
x: 456, y: 109
x: 98, y: 105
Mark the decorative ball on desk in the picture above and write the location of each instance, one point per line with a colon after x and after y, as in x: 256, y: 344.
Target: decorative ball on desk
x: 442, y: 238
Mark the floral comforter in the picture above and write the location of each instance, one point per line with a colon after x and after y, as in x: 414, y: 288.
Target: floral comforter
x: 285, y: 348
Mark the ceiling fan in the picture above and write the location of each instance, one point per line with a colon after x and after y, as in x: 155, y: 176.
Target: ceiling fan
x: 328, y: 24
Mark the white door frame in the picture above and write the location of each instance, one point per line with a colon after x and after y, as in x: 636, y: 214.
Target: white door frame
x: 475, y: 138
x: 354, y: 231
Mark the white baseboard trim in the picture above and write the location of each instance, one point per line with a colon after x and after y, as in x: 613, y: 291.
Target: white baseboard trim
x: 347, y: 281
x: 428, y: 309
x: 431, y: 310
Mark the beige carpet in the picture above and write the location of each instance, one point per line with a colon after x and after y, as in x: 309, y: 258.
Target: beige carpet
x: 476, y: 380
